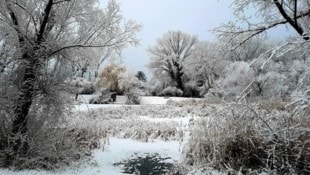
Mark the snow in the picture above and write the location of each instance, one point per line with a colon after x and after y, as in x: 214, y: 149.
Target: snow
x: 121, y: 99
x: 88, y: 107
x: 153, y: 100
x: 146, y: 100
x: 85, y: 98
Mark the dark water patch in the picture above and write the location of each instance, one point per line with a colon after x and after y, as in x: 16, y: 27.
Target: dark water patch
x: 147, y: 164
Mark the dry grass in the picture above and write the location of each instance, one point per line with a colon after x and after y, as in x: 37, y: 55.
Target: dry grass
x: 51, y: 148
x: 51, y: 142
x: 243, y: 137
x: 125, y: 122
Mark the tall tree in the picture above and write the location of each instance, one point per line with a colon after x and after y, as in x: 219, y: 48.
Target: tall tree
x: 169, y: 53
x: 59, y: 30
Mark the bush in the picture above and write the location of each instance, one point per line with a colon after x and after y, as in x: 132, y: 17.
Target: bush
x: 172, y: 91
x: 87, y: 90
x: 192, y: 90
x: 133, y: 98
x: 83, y: 86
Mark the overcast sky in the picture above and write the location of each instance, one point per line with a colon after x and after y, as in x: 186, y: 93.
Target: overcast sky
x: 195, y: 17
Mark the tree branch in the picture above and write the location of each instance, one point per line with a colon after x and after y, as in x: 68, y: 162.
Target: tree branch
x: 58, y: 2
x: 80, y: 46
x: 295, y: 11
x: 258, y: 30
x: 293, y: 23
x: 47, y: 12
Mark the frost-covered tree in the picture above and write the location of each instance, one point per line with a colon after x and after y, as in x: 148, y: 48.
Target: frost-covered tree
x: 141, y: 76
x: 65, y: 31
x: 169, y: 53
x: 109, y: 78
x: 206, y: 64
x: 238, y: 77
x: 275, y: 61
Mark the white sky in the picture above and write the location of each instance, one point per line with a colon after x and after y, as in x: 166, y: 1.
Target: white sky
x: 195, y: 17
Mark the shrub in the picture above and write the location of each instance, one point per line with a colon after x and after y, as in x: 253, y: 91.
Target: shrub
x: 192, y: 90
x: 132, y: 87
x: 172, y: 91
x: 87, y: 90
x: 83, y: 86
x: 133, y: 98
x: 103, y: 98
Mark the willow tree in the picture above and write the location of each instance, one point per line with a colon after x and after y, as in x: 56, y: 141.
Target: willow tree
x: 60, y: 30
x: 169, y: 53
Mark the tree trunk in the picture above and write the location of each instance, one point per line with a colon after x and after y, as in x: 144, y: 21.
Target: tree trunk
x: 179, y: 82
x: 83, y: 71
x: 178, y: 76
x: 23, y: 104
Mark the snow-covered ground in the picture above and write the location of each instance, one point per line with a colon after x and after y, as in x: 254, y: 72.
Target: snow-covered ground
x: 144, y: 100
x: 88, y: 107
x: 115, y: 150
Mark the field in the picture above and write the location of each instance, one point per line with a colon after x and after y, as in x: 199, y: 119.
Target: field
x: 184, y: 136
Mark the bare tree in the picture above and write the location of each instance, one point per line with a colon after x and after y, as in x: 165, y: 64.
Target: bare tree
x: 169, y: 54
x: 59, y: 30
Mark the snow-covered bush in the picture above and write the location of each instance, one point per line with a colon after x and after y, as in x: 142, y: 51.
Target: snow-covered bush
x: 103, y: 98
x: 131, y: 86
x: 158, y: 83
x: 191, y: 89
x: 172, y: 91
x: 83, y: 86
